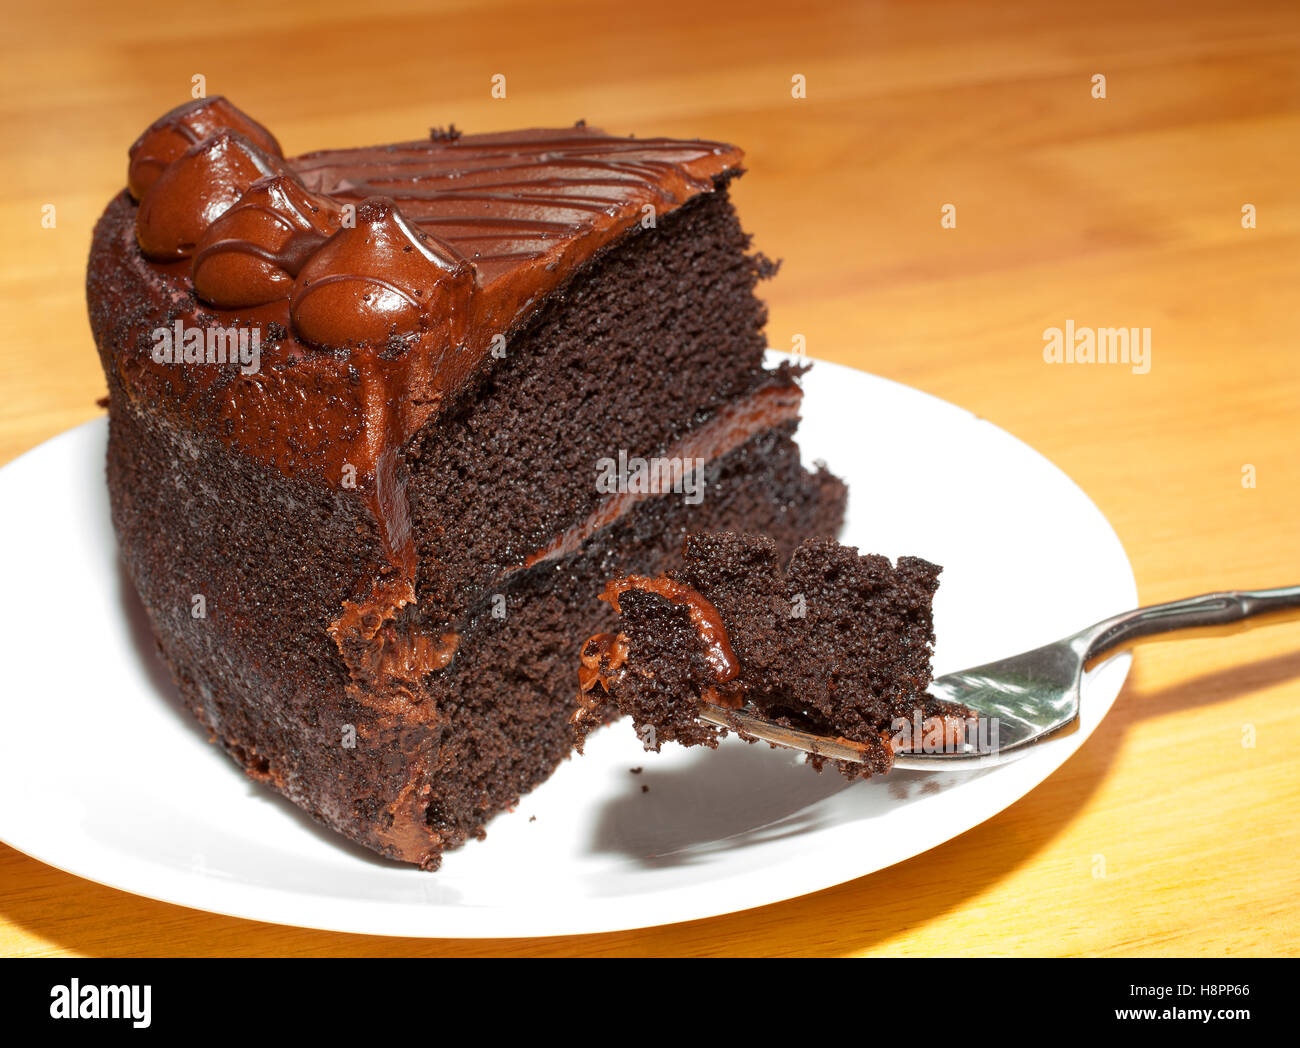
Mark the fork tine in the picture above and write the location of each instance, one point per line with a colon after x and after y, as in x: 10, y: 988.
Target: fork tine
x: 839, y: 749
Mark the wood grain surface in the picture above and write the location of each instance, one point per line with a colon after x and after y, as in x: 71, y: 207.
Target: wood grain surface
x: 1117, y: 211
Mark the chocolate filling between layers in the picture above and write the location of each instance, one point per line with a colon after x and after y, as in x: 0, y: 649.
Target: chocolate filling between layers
x: 735, y: 424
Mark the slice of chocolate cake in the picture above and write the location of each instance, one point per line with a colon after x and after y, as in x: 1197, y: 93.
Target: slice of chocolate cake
x: 826, y: 641
x: 383, y: 420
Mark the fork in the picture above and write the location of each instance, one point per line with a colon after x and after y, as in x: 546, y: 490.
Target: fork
x: 1027, y: 699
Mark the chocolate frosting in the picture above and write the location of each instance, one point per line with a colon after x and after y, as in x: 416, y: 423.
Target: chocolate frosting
x: 603, y: 658
x: 380, y: 281
x: 196, y: 189
x: 173, y: 133
x: 385, y: 659
x: 703, y: 615
x: 252, y: 253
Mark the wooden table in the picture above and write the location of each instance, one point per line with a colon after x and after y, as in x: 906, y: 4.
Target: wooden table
x: 1116, y: 211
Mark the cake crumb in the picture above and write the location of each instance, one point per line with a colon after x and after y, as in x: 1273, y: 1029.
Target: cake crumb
x: 645, y: 788
x: 635, y: 771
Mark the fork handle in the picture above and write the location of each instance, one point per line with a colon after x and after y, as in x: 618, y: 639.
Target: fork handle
x: 1215, y: 614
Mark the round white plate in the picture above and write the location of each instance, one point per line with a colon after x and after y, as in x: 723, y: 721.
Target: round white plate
x: 103, y: 774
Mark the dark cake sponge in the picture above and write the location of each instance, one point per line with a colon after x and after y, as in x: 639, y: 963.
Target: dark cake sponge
x: 835, y: 642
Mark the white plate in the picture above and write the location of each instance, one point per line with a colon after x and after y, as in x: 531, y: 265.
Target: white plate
x: 104, y: 775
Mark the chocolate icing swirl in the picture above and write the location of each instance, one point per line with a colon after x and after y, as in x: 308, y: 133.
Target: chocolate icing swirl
x: 196, y: 189
x: 173, y: 133
x: 252, y: 253
x: 380, y: 281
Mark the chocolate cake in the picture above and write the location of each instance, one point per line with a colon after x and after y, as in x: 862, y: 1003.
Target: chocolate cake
x: 383, y: 421
x: 825, y: 640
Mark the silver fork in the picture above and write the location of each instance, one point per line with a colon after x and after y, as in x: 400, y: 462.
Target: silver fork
x: 1029, y: 698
